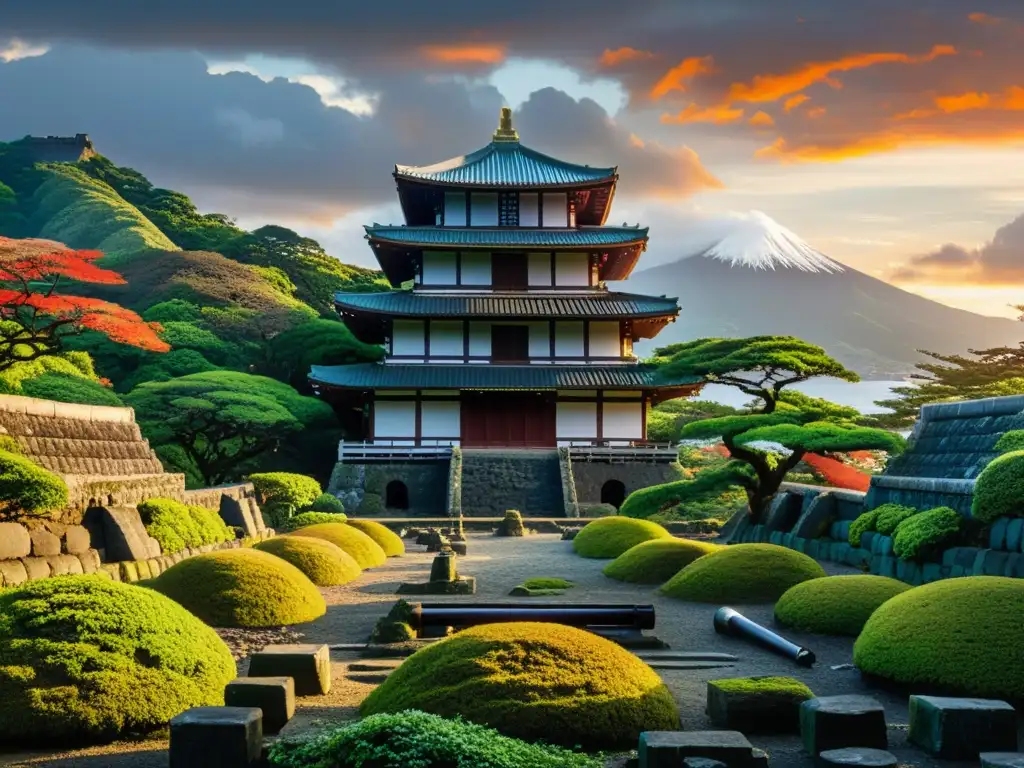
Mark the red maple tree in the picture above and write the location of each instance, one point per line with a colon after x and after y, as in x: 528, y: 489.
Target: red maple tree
x: 34, y: 318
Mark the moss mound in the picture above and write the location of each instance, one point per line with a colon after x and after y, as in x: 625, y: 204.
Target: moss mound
x: 534, y: 681
x: 926, y: 534
x: 999, y: 490
x: 865, y: 523
x: 387, y: 539
x: 242, y: 588
x: 611, y: 536
x: 547, y: 582
x: 85, y: 659
x: 323, y: 563
x: 890, y: 516
x: 835, y: 605
x: 312, y: 518
x: 958, y: 635
x: 177, y: 526
x: 367, y: 552
x: 656, y: 561
x: 416, y: 738
x: 742, y: 573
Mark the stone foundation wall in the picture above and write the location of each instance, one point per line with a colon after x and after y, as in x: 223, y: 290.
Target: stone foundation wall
x: 497, y: 480
x: 590, y: 476
x: 362, y: 488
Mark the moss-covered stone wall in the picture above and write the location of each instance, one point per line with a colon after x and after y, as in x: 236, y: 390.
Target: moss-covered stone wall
x: 362, y: 488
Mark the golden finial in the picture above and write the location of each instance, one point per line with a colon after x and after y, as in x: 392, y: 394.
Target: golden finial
x: 505, y: 130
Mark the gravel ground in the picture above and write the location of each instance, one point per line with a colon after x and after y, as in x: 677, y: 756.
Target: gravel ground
x: 498, y: 565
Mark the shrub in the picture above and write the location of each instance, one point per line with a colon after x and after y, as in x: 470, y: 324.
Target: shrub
x: 534, y: 681
x: 388, y: 540
x: 956, y: 635
x: 323, y: 563
x: 864, y: 523
x: 418, y: 739
x: 242, y: 588
x: 1013, y: 440
x: 890, y: 516
x: 597, y: 510
x: 176, y: 526
x: 547, y: 582
x: 656, y: 561
x: 835, y: 605
x: 306, y: 519
x: 925, y: 534
x: 85, y: 659
x: 286, y: 487
x: 70, y: 389
x: 742, y: 573
x: 999, y: 489
x: 329, y: 503
x: 511, y: 525
x: 367, y: 552
x: 26, y: 489
x: 394, y: 627
x: 611, y: 536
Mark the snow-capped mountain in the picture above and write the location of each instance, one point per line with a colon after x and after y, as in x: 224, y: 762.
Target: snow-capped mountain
x: 756, y: 277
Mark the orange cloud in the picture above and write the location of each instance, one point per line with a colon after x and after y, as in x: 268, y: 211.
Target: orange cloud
x: 761, y: 119
x: 795, y: 101
x: 764, y: 88
x: 816, y: 112
x: 677, y: 77
x: 984, y: 18
x: 470, y: 53
x: 963, y: 102
x: 719, y: 115
x: 622, y: 55
x: 1010, y: 100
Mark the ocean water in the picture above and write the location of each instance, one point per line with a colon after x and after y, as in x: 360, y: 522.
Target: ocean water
x: 860, y: 395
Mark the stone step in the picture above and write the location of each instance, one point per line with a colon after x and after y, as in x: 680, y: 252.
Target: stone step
x: 689, y: 664
x: 685, y: 656
x: 369, y: 678
x: 374, y: 666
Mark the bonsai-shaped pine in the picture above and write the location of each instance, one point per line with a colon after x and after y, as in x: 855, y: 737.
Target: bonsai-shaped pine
x: 35, y: 319
x: 762, y: 366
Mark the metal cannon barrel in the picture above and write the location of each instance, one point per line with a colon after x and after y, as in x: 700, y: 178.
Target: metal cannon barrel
x: 574, y: 615
x: 730, y: 622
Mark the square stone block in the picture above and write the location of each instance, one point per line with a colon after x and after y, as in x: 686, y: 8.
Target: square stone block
x: 15, y: 541
x: 308, y: 665
x: 36, y: 567
x: 960, y: 729
x: 44, y: 543
x: 1002, y: 759
x: 753, y: 705
x: 668, y: 749
x: 217, y: 737
x: 275, y: 696
x: 834, y: 722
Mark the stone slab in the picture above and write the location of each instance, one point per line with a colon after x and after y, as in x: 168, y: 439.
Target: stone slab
x: 274, y: 696
x: 690, y: 664
x: 36, y: 567
x: 12, y: 573
x: 955, y: 728
x: 76, y: 540
x: 309, y: 665
x: 124, y: 534
x: 44, y: 543
x: 835, y: 722
x: 465, y: 585
x: 217, y: 737
x: 667, y: 749
x: 1002, y: 759
x: 650, y: 656
x: 862, y: 756
x: 90, y: 560
x: 15, y: 541
x: 754, y: 709
x: 236, y: 513
x: 65, y: 565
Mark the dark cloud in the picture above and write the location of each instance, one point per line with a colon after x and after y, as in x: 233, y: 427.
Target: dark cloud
x: 1000, y: 261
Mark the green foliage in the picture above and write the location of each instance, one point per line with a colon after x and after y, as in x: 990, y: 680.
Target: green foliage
x: 666, y: 420
x: 177, y: 526
x: 824, y: 437
x: 927, y: 533
x: 656, y: 561
x: 242, y: 588
x: 999, y: 489
x: 597, y: 510
x: 742, y: 573
x: 286, y: 487
x: 305, y: 519
x: 511, y: 524
x: 1010, y: 441
x: 547, y: 582
x: 388, y: 540
x: 954, y: 634
x: 889, y: 516
x: 327, y: 503
x: 609, y: 537
x: 367, y: 552
x: 778, y: 688
x: 325, y: 564
x: 394, y: 627
x: 733, y: 426
x: 70, y: 389
x: 865, y: 523
x: 415, y: 738
x: 28, y: 490
x: 835, y: 605
x: 84, y: 659
x: 707, y: 485
x: 71, y: 364
x: 533, y: 681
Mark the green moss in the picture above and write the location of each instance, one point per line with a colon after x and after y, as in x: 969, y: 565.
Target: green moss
x: 26, y: 489
x: 388, y: 540
x: 611, y: 536
x: 286, y: 487
x: 367, y: 552
x: 999, y: 489
x: 890, y: 516
x: 419, y: 739
x: 742, y: 573
x: 323, y: 563
x: 656, y: 561
x: 864, y: 523
x: 311, y: 518
x: 548, y: 582
x: 87, y: 659
x: 329, y: 503
x: 177, y: 526
x: 521, y: 591
x: 964, y: 635
x: 780, y: 686
x: 835, y: 605
x: 1010, y: 441
x: 927, y: 533
x: 242, y: 588
x: 511, y: 524
x: 371, y: 505
x: 533, y: 681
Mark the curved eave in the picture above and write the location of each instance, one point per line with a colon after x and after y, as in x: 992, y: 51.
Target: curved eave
x: 640, y: 241
x: 610, y: 181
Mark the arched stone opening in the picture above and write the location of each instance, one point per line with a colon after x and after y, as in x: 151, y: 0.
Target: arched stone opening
x: 396, y: 495
x: 613, y: 492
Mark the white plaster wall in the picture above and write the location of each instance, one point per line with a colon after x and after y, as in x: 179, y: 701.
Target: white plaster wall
x: 455, y: 209
x: 394, y: 418
x: 439, y: 268
x: 623, y: 420
x: 476, y: 268
x: 575, y: 420
x: 572, y: 269
x: 483, y: 209
x: 440, y: 419
x: 480, y: 339
x: 604, y: 338
x: 407, y: 337
x: 540, y: 339
x: 540, y: 269
x: 556, y: 209
x: 569, y: 339
x: 529, y: 209
x: 446, y: 338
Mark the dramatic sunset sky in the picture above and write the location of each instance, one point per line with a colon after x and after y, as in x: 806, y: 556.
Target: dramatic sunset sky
x: 888, y: 133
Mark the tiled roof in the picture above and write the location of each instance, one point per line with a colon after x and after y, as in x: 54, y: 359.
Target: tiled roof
x: 480, y: 376
x: 594, y: 304
x: 506, y: 164
x: 484, y: 237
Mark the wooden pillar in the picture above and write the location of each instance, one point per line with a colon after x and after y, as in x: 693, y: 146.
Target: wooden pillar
x: 586, y: 339
x: 644, y: 403
x: 419, y: 417
x: 600, y: 415
x: 551, y: 339
x: 465, y: 341
x: 458, y: 267
x: 554, y: 270
x: 426, y: 338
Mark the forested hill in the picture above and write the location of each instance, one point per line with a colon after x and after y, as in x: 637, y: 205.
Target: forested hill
x: 258, y: 303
